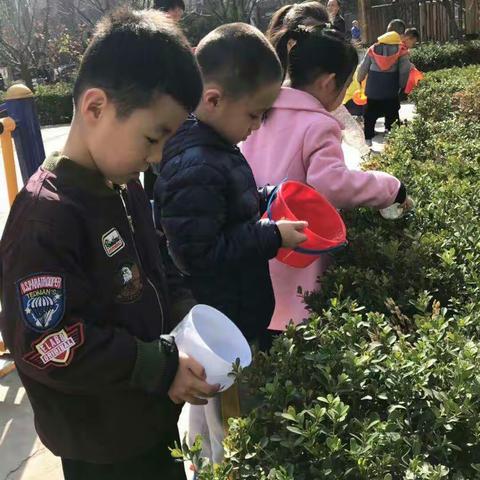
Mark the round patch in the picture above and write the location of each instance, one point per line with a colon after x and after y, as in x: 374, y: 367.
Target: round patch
x: 129, y: 283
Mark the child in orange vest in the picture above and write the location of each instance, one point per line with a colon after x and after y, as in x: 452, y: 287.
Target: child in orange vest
x: 387, y: 65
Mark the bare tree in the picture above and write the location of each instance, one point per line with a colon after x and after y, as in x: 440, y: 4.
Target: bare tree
x: 200, y: 21
x: 454, y: 24
x: 90, y: 11
x: 226, y: 11
x: 24, y: 35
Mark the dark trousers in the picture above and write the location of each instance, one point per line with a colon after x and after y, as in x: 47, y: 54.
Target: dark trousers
x: 156, y: 464
x: 376, y: 109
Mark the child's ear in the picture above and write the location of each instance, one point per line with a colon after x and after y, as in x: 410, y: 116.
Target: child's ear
x: 93, y: 104
x: 211, y: 98
x: 327, y: 83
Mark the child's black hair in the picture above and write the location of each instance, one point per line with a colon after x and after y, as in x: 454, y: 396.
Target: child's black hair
x: 136, y: 55
x: 291, y: 16
x: 396, y: 25
x: 316, y: 50
x: 167, y: 5
x: 412, y: 33
x: 239, y: 58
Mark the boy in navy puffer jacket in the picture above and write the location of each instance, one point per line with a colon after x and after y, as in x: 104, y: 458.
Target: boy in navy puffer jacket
x: 206, y: 199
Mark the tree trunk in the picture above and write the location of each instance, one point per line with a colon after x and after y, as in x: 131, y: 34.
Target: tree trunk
x: 448, y: 4
x: 362, y: 13
x: 472, y: 26
x: 26, y: 75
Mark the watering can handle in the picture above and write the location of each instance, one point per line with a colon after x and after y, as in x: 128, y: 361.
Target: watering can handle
x: 306, y: 251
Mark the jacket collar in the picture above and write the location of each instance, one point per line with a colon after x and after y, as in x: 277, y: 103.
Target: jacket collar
x: 194, y: 133
x: 293, y: 99
x: 70, y: 173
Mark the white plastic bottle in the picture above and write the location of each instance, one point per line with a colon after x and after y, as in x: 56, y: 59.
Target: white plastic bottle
x: 352, y: 134
x: 397, y: 210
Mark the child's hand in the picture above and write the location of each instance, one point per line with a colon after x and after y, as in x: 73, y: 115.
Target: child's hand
x: 189, y: 382
x: 397, y: 210
x: 408, y: 204
x: 291, y: 233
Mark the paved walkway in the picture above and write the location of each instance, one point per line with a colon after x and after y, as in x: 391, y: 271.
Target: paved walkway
x: 22, y: 455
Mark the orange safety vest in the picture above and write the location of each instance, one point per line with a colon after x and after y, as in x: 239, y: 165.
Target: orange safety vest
x: 387, y: 62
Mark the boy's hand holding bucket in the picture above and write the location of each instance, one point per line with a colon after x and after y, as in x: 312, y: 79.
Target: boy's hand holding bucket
x: 323, y: 230
x: 291, y: 233
x: 189, y: 384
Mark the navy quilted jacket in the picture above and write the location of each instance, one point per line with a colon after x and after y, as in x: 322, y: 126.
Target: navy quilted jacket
x: 208, y: 205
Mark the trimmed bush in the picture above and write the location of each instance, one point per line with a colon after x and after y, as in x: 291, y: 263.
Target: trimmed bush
x: 436, y: 97
x: 434, y: 248
x: 382, y: 381
x: 468, y: 102
x: 54, y: 103
x: 370, y: 398
x: 436, y: 56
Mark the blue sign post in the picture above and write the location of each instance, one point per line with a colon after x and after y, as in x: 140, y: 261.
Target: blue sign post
x: 20, y: 105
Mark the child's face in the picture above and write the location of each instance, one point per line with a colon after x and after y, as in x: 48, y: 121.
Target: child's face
x: 236, y: 119
x: 332, y: 7
x: 121, y: 148
x: 410, y: 42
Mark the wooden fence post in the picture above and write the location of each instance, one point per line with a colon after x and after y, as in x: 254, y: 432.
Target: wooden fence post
x: 362, y: 10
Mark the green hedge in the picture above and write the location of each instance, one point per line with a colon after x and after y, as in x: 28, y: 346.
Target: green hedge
x: 435, y: 56
x: 382, y: 382
x: 442, y: 93
x: 54, y: 103
x: 440, y: 163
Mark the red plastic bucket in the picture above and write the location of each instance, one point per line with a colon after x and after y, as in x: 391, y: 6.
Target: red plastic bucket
x: 326, y: 231
x: 414, y: 78
x: 359, y: 98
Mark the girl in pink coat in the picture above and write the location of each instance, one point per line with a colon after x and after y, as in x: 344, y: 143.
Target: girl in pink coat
x: 301, y: 140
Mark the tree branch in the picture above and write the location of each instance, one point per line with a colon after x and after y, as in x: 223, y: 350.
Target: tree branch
x: 212, y: 9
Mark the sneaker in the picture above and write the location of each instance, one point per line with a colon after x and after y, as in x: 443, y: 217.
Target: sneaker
x: 368, y: 141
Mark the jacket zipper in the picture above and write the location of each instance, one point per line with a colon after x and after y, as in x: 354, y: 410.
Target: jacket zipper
x: 121, y: 192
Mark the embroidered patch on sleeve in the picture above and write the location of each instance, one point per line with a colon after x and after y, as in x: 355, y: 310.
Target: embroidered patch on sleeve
x: 42, y: 300
x: 57, y: 348
x: 112, y: 242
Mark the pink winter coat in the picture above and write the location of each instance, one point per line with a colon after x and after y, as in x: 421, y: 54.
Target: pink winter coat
x: 300, y: 140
